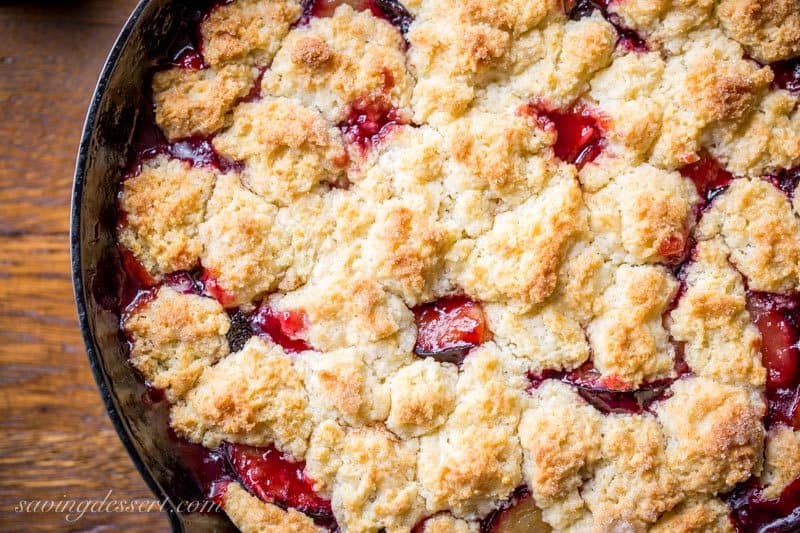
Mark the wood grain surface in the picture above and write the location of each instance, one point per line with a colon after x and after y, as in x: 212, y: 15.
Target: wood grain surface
x: 56, y: 442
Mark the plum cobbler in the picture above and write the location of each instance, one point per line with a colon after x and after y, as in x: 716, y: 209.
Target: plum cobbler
x: 475, y: 265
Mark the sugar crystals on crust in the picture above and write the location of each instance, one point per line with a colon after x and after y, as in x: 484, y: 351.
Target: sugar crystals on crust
x: 475, y: 457
x: 343, y: 386
x: 782, y: 460
x: 711, y: 317
x: 335, y: 61
x: 163, y: 206
x: 247, y: 31
x: 252, y: 515
x: 558, y: 434
x: 373, y: 484
x: 287, y: 148
x: 443, y: 523
x: 247, y: 241
x: 768, y: 29
x: 756, y: 222
x: 664, y: 22
x: 764, y: 141
x: 519, y: 258
x: 255, y: 396
x: 714, y: 433
x: 345, y: 312
x: 630, y: 343
x: 423, y: 396
x: 198, y: 102
x: 647, y: 212
x: 546, y: 339
x: 710, y: 515
x: 632, y: 483
x: 175, y: 337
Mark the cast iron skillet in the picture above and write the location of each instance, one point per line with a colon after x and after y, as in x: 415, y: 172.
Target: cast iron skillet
x: 151, y: 35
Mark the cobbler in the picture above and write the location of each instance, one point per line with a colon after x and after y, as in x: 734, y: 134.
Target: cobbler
x: 476, y: 265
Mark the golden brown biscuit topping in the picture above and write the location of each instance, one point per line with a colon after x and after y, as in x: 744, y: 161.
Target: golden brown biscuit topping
x: 478, y: 265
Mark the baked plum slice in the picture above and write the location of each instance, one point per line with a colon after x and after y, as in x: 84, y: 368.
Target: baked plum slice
x: 610, y: 394
x: 215, y: 290
x: 449, y: 328
x: 752, y: 512
x: 787, y: 75
x: 579, y: 131
x: 708, y: 175
x: 326, y: 8
x: 521, y: 515
x: 369, y: 121
x: 786, y: 180
x: 275, y: 479
x: 776, y: 316
x: 283, y: 327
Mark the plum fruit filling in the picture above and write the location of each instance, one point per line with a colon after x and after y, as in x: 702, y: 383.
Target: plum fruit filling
x: 190, y: 59
x: 389, y: 10
x: 587, y: 376
x: 787, y: 75
x: 186, y: 48
x: 217, y: 491
x: 184, y: 282
x: 752, y: 512
x: 579, y: 132
x: 396, y: 13
x: 786, y: 180
x: 776, y: 316
x: 609, y: 394
x: 274, y: 478
x: 283, y: 327
x: 208, y: 468
x: 198, y: 151
x: 136, y: 278
x: 264, y: 472
x: 613, y: 395
x: 138, y: 287
x: 325, y: 8
x: 215, y: 290
x: 449, y: 328
x: 152, y: 395
x: 580, y: 139
x: 709, y: 177
x: 518, y: 515
x: 629, y: 39
x: 149, y: 141
x: 676, y: 249
x: 369, y: 121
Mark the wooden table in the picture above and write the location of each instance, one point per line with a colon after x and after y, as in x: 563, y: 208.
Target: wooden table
x: 56, y: 442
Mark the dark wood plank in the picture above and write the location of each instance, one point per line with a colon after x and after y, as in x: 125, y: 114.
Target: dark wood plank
x: 57, y: 442
x: 112, y: 12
